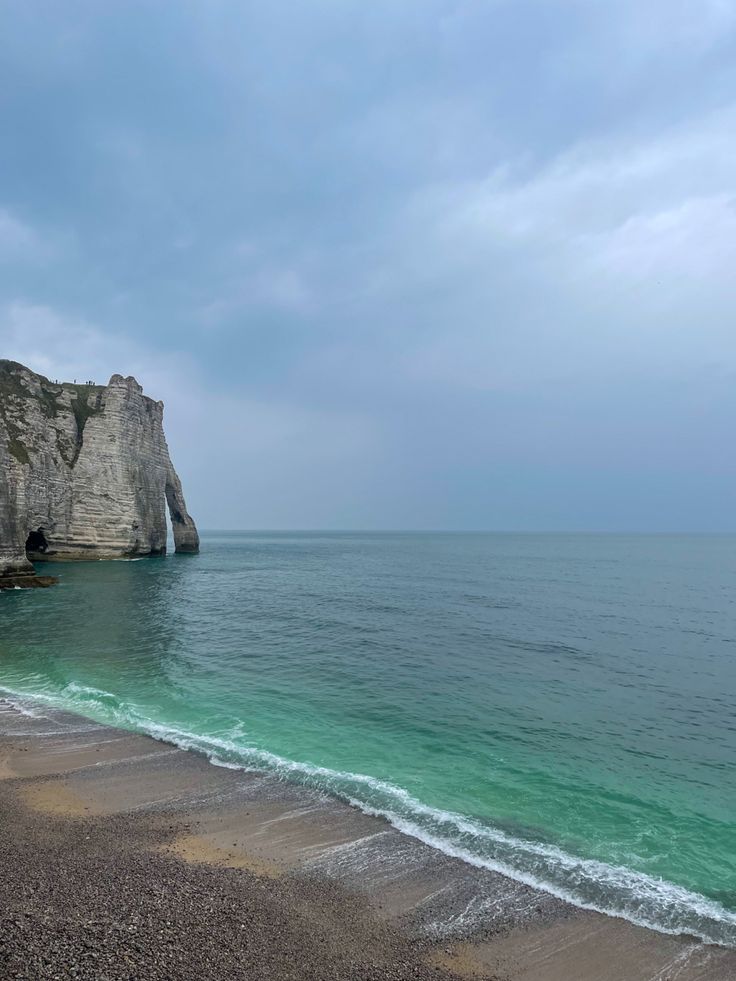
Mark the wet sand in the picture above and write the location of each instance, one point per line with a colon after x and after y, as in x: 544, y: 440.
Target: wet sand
x: 122, y: 857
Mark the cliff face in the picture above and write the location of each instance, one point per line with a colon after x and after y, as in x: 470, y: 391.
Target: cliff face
x: 84, y: 471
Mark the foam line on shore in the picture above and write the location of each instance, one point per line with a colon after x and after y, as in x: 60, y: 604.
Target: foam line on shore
x: 586, y: 883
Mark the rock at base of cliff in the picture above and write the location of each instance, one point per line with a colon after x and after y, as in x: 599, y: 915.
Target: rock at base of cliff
x: 27, y: 582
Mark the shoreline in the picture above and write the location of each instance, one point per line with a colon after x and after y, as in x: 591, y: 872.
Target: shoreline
x: 619, y: 892
x: 449, y: 916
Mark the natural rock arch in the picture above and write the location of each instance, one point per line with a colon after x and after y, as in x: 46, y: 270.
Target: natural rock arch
x: 87, y: 464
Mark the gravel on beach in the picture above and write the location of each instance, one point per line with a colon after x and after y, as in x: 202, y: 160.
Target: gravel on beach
x: 96, y: 898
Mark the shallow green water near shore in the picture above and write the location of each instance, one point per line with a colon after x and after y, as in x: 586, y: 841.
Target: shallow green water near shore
x: 561, y: 708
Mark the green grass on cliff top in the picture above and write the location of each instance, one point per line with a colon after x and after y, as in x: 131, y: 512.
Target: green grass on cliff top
x: 11, y: 387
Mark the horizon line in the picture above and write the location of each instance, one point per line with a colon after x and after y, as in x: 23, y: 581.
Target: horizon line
x: 462, y: 531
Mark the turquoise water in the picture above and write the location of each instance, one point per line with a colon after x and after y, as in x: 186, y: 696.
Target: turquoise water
x: 559, y: 708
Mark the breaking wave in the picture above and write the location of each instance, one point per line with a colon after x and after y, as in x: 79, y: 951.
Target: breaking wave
x: 587, y: 883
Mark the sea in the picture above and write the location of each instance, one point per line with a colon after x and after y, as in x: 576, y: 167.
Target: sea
x: 558, y: 708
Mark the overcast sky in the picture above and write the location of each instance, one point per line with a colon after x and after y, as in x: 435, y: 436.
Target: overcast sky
x: 390, y: 264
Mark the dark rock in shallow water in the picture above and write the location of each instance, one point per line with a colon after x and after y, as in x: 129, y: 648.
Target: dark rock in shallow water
x: 27, y: 582
x: 85, y: 473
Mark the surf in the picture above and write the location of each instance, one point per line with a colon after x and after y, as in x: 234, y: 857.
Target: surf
x: 583, y: 882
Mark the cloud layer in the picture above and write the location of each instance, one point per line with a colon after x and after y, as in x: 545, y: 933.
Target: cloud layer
x: 430, y: 264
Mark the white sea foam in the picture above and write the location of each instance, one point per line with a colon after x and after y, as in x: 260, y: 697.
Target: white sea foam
x: 587, y: 883
x: 25, y: 707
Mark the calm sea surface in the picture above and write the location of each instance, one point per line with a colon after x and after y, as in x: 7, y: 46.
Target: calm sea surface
x: 559, y: 708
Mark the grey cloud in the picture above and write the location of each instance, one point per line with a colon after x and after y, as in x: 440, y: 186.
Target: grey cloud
x: 450, y: 264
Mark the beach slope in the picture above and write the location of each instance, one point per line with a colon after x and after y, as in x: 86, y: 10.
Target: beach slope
x: 122, y: 857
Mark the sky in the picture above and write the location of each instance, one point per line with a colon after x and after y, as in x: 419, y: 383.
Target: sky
x: 406, y: 264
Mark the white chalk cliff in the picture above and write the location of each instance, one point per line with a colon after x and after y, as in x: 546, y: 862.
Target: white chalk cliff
x: 85, y: 473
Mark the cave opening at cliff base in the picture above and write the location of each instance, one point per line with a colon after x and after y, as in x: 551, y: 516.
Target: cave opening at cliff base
x: 36, y: 541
